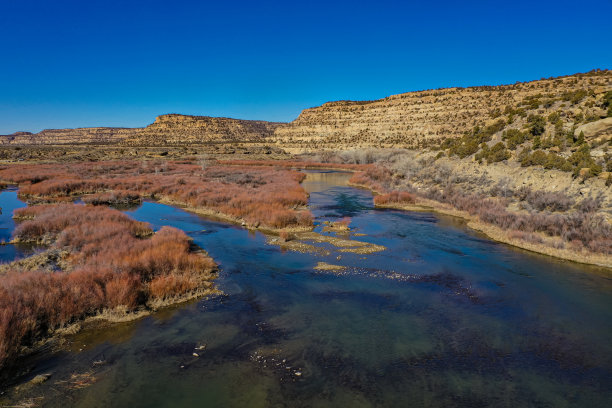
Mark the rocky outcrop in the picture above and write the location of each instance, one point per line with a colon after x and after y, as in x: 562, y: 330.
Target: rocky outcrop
x: 595, y: 130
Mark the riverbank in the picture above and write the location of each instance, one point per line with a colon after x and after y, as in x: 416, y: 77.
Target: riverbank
x: 293, y: 328
x: 501, y: 235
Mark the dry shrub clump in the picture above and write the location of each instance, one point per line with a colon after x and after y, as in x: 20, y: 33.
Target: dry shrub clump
x: 394, y: 197
x: 550, y: 215
x: 527, y: 237
x: 284, y: 235
x: 375, y: 178
x: 344, y: 222
x: 266, y: 196
x: 114, y: 262
x: 117, y: 198
x: 583, y: 229
x: 295, y: 164
x: 43, y: 224
x: 549, y: 200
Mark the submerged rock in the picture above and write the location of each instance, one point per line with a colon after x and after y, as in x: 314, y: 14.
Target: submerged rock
x: 40, y: 378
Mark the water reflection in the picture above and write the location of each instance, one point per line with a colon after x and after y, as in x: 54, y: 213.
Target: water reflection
x: 8, y: 204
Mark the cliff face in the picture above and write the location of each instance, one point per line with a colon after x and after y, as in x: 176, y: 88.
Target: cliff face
x: 417, y: 119
x: 170, y: 129
x: 409, y: 120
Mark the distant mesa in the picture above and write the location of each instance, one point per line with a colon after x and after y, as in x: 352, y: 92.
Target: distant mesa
x: 408, y: 120
x: 167, y: 130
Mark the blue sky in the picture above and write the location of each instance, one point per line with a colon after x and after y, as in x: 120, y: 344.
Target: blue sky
x: 121, y: 63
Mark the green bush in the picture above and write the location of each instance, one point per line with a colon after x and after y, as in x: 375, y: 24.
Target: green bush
x: 537, y: 124
x: 537, y: 158
x: 498, y: 153
x: 483, y: 153
x: 582, y: 159
x: 579, y: 141
x: 554, y: 117
x: 490, y: 130
x: 494, y: 154
x: 578, y: 118
x: 574, y: 96
x: 554, y: 161
x: 512, y: 112
x: 468, y: 143
x: 532, y: 102
x: 514, y: 137
x: 546, y: 143
x: 548, y: 160
x: 464, y: 147
x: 607, y: 102
x: 523, y: 155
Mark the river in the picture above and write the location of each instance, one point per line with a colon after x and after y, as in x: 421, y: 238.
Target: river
x: 443, y: 317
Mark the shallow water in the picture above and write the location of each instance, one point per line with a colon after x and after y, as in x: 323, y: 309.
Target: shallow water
x: 443, y: 317
x: 9, y: 203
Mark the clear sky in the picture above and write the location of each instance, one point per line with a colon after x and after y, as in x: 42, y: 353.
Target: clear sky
x: 121, y: 63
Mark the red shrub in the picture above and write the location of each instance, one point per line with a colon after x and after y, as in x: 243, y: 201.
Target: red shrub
x: 118, y: 197
x: 172, y: 285
x: 240, y: 192
x: 394, y: 197
x: 113, y: 266
x: 375, y: 178
x: 344, y: 222
x: 284, y: 235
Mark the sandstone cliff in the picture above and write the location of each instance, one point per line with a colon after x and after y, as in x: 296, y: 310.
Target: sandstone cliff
x: 418, y: 119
